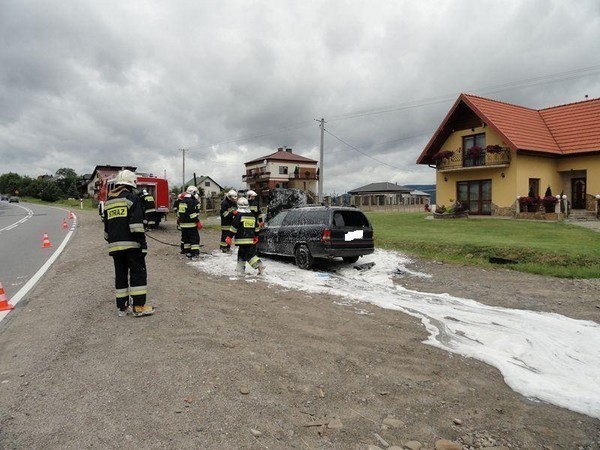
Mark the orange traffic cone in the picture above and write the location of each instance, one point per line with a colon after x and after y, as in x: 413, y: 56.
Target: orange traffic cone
x: 65, y: 225
x: 46, y: 242
x: 4, y: 305
x: 71, y: 215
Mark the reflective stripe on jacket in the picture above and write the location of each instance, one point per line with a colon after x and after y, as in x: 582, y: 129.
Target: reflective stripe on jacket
x: 227, y: 208
x: 244, y: 227
x: 188, y: 212
x: 123, y: 220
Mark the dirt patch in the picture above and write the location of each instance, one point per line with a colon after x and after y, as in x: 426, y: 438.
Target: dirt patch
x: 230, y: 364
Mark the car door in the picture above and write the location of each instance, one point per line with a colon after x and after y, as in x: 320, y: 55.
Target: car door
x: 269, y: 234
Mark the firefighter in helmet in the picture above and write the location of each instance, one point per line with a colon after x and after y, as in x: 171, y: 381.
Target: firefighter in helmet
x: 228, y: 211
x: 244, y: 229
x: 188, y: 212
x: 124, y: 232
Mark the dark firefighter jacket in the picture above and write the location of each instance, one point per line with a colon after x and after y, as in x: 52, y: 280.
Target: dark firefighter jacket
x: 188, y: 212
x: 149, y: 204
x: 227, y: 209
x: 244, y: 227
x: 123, y: 220
x: 254, y: 208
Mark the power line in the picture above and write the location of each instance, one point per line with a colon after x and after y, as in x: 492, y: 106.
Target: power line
x: 527, y: 82
x: 360, y: 151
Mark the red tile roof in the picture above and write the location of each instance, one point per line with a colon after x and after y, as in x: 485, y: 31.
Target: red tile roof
x: 283, y: 155
x: 576, y: 126
x: 523, y: 127
x: 559, y: 130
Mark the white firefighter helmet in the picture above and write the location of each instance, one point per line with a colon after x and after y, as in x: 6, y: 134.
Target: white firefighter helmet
x: 232, y: 195
x: 242, y: 202
x: 251, y: 194
x: 144, y: 192
x: 192, y: 190
x: 126, y: 177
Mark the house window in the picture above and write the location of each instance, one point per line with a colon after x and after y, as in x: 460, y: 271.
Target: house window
x: 476, y: 196
x: 534, y: 187
x: 283, y: 170
x: 207, y: 183
x: 474, y: 150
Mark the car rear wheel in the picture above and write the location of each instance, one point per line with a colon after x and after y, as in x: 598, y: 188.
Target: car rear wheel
x: 304, y: 259
x: 350, y: 259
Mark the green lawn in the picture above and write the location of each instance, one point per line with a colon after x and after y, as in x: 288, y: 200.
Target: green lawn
x: 548, y: 248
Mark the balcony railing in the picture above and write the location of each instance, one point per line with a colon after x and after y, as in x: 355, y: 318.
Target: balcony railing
x: 485, y: 159
x: 304, y: 176
x: 255, y: 176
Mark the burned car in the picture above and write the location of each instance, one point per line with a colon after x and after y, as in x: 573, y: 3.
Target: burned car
x: 317, y: 231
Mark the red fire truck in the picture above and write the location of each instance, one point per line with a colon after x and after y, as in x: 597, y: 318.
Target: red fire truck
x: 157, y: 187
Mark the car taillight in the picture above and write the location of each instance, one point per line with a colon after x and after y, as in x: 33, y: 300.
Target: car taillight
x: 326, y: 238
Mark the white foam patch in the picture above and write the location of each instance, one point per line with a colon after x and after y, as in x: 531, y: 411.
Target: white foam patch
x: 543, y: 356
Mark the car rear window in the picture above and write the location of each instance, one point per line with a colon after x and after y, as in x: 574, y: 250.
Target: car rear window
x: 305, y: 217
x: 350, y: 219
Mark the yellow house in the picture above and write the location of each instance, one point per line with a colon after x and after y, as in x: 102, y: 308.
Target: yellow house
x: 488, y: 153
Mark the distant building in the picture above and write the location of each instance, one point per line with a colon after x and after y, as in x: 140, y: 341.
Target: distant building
x: 384, y: 195
x: 282, y: 169
x: 207, y: 185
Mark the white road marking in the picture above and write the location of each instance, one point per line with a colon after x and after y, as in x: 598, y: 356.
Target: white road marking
x: 20, y: 221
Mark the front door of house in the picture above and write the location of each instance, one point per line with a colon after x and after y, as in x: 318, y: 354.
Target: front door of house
x: 476, y: 196
x: 578, y: 193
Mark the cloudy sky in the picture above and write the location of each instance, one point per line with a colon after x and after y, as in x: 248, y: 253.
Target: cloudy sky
x: 86, y: 82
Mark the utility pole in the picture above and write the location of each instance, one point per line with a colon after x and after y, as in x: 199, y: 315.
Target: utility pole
x: 183, y: 150
x: 321, y: 157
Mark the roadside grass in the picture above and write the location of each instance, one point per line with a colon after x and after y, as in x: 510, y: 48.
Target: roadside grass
x: 546, y: 248
x: 70, y: 203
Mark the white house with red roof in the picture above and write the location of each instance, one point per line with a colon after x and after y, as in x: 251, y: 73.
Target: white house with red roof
x: 487, y: 154
x: 282, y: 169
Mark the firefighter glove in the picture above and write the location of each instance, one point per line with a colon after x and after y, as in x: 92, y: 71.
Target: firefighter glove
x: 199, y: 225
x: 228, y: 240
x: 255, y: 240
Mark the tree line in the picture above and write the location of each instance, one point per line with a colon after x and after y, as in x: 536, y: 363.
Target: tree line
x: 61, y: 185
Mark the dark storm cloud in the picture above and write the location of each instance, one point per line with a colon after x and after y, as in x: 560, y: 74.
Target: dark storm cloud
x: 85, y: 83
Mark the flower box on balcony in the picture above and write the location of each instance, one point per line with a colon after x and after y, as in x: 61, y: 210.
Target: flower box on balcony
x: 440, y: 156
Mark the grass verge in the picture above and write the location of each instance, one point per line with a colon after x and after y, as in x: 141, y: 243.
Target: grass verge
x: 547, y: 248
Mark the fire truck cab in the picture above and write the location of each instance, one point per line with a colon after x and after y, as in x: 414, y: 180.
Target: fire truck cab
x: 157, y: 187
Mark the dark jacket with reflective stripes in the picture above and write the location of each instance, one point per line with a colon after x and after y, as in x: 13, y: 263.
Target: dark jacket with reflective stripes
x: 188, y: 212
x: 255, y: 209
x: 123, y: 220
x: 227, y: 208
x: 244, y: 227
x: 149, y: 204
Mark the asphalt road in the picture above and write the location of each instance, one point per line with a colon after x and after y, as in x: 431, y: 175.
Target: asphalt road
x: 22, y: 228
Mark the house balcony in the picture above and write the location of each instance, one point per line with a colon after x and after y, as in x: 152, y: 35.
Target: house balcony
x: 255, y: 176
x: 485, y: 160
x: 304, y: 176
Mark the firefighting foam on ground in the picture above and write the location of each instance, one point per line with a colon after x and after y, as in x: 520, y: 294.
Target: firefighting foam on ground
x: 543, y: 356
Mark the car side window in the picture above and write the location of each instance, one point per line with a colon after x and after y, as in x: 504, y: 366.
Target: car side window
x: 278, y: 219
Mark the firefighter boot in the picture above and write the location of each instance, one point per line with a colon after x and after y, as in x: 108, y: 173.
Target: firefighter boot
x: 260, y: 268
x: 241, y: 267
x: 146, y: 310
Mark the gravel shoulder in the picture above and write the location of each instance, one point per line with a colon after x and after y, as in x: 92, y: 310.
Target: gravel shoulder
x: 226, y: 364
